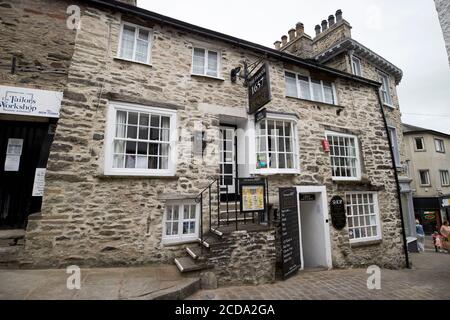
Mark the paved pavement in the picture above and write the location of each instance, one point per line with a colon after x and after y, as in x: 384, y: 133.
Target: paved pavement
x: 110, y: 283
x: 429, y: 279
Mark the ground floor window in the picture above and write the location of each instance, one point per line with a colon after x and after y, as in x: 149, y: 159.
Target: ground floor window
x: 180, y: 222
x: 363, y: 216
x: 276, y: 145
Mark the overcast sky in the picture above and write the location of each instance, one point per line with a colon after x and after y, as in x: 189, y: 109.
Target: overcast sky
x: 407, y: 33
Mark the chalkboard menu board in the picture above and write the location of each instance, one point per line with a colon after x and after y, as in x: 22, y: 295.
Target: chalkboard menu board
x: 337, y: 211
x: 290, y: 239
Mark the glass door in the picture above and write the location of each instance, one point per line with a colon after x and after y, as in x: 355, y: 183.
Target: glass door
x: 227, y: 161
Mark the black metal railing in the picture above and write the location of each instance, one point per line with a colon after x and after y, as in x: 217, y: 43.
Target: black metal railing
x: 218, y: 190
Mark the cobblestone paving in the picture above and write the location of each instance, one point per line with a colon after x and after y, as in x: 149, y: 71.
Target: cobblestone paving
x: 428, y: 279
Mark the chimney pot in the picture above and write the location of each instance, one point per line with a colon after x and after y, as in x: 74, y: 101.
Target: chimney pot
x: 317, y: 28
x: 338, y: 15
x: 291, y: 33
x: 300, y: 28
x: 277, y: 44
x: 331, y: 21
x: 284, y: 40
x: 324, y: 25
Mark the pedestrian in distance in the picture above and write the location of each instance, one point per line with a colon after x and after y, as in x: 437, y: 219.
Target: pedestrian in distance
x: 420, y: 237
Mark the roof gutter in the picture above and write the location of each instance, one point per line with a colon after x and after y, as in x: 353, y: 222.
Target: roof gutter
x: 269, y: 52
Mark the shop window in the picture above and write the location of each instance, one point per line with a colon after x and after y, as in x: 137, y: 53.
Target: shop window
x: 180, y: 223
x: 344, y: 156
x: 302, y: 87
x: 135, y: 43
x: 363, y: 216
x: 276, y: 146
x: 140, y: 141
x: 205, y: 62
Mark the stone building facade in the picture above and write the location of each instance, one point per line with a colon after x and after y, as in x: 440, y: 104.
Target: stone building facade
x: 98, y: 212
x: 443, y: 9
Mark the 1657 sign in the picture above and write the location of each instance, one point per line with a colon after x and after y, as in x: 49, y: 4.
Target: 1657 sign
x: 259, y: 89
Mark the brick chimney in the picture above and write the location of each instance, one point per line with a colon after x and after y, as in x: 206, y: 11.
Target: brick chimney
x: 331, y: 31
x: 130, y: 2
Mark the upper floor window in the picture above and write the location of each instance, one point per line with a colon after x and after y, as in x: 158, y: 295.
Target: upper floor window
x: 205, y: 62
x: 135, y: 43
x: 445, y: 178
x: 140, y: 141
x: 276, y: 145
x: 439, y: 144
x: 302, y: 87
x: 344, y: 156
x: 419, y: 143
x: 424, y: 176
x: 385, y: 89
x: 394, y: 142
x: 356, y: 66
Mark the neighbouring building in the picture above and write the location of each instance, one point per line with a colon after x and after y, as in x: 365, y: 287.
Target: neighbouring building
x: 154, y: 142
x: 428, y: 161
x: 443, y: 9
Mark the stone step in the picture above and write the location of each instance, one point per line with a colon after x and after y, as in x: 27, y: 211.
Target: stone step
x: 10, y: 256
x: 187, y: 264
x: 209, y: 240
x: 195, y: 252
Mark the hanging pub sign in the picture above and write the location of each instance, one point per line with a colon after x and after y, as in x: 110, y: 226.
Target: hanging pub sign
x: 253, y: 194
x: 259, y: 89
x: 290, y: 237
x: 337, y: 211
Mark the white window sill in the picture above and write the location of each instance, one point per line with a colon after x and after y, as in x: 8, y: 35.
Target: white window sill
x: 365, y: 242
x: 346, y: 179
x: 177, y: 241
x: 276, y: 172
x: 133, y: 61
x: 315, y: 101
x: 134, y: 173
x: 206, y: 76
x: 388, y: 105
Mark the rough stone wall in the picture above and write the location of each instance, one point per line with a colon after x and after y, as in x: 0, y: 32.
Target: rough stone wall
x: 443, y: 9
x: 39, y: 39
x: 245, y: 258
x: 91, y: 219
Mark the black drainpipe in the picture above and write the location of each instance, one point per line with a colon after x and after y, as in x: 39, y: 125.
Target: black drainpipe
x: 394, y: 166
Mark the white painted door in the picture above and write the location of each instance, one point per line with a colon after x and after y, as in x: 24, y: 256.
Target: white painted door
x: 227, y: 161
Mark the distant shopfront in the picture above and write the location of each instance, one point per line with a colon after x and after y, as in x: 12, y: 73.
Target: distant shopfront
x: 27, y: 124
x: 428, y: 212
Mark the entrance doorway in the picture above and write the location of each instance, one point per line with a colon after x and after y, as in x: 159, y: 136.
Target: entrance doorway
x: 24, y: 146
x: 315, y: 248
x: 227, y: 163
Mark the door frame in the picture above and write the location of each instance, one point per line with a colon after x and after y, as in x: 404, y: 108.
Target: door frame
x: 235, y: 155
x: 325, y: 216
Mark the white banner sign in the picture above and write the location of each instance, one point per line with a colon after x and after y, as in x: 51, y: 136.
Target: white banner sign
x: 39, y: 182
x: 13, y: 153
x: 30, y: 102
